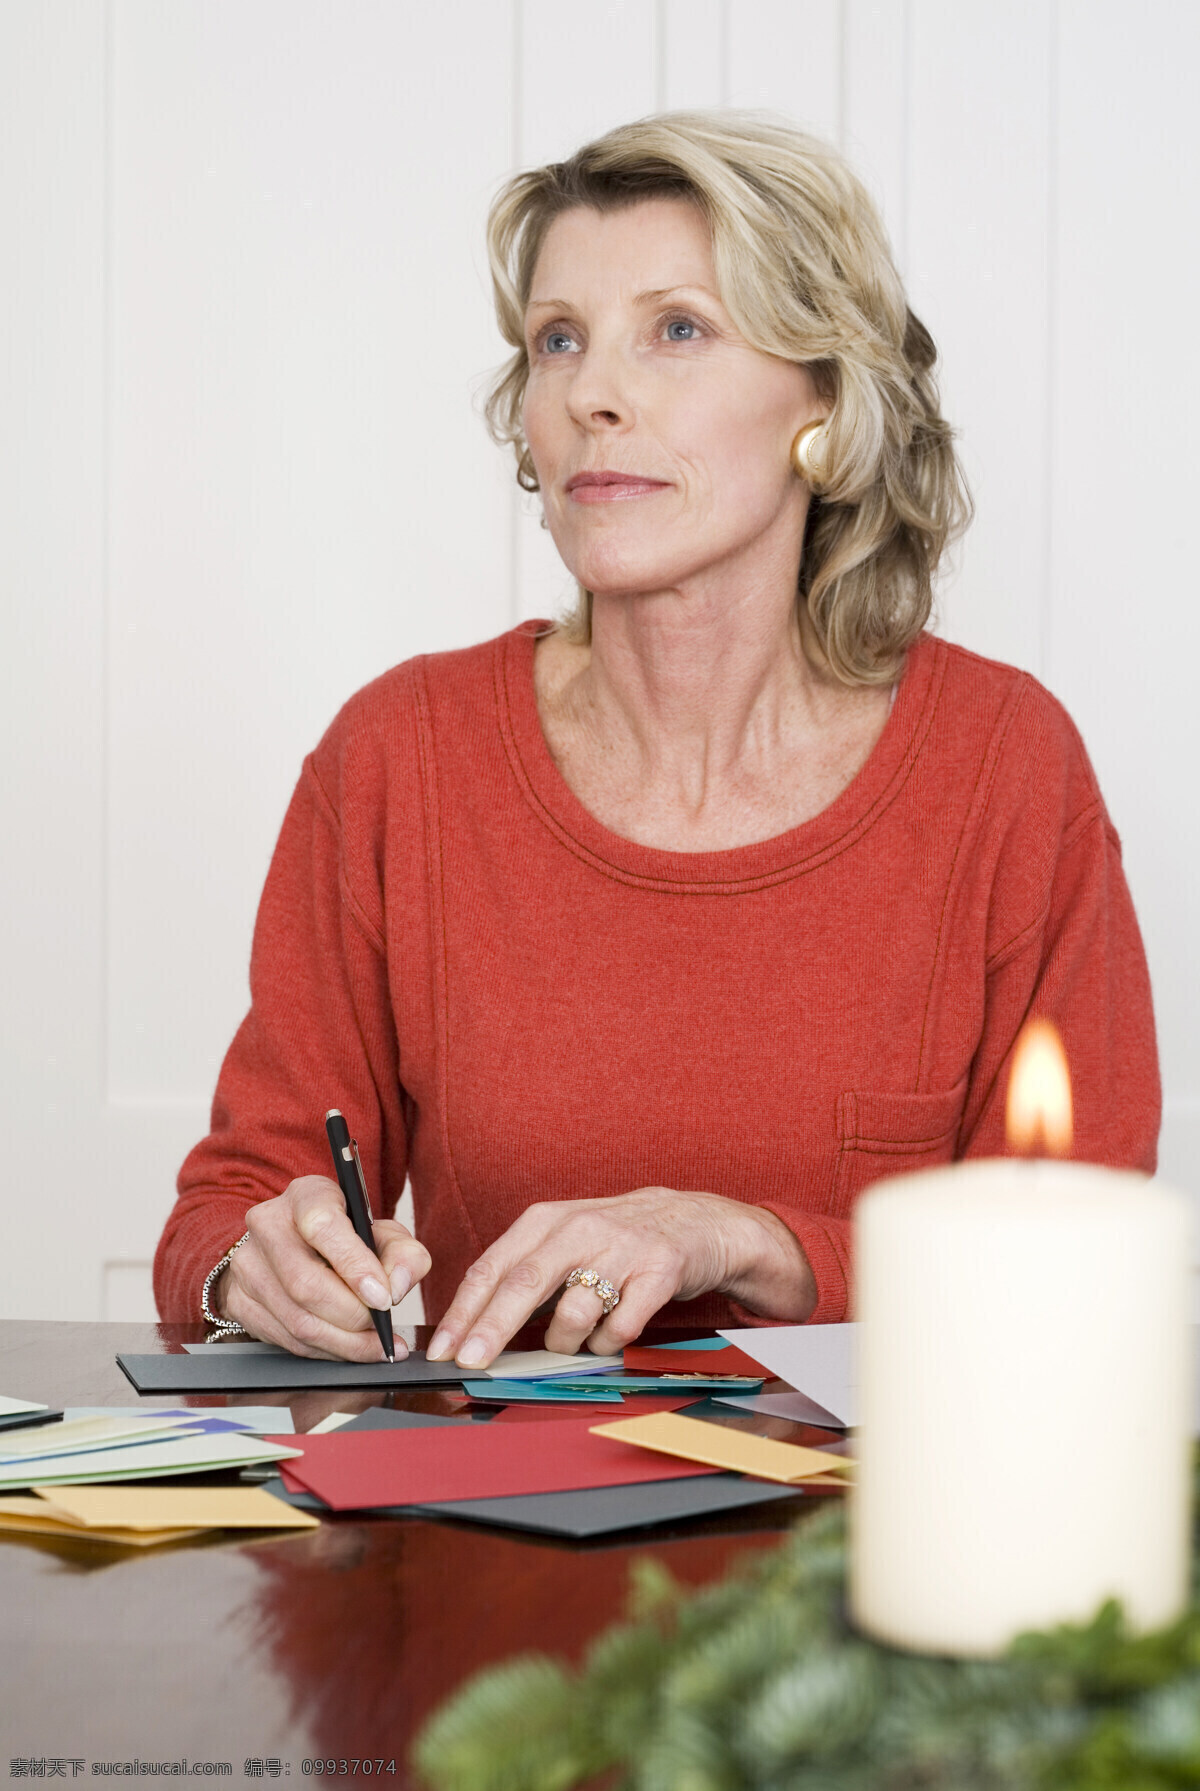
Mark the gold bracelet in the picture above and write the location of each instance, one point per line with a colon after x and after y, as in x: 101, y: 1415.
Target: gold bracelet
x: 223, y: 1327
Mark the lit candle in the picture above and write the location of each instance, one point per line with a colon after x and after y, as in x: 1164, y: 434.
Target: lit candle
x: 1025, y: 1388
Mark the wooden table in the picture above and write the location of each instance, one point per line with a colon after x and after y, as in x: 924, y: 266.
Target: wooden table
x: 334, y: 1644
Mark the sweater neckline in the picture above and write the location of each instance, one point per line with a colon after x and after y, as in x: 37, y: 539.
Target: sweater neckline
x: 737, y: 869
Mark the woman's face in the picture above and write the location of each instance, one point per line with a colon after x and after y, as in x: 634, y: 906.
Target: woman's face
x: 637, y: 369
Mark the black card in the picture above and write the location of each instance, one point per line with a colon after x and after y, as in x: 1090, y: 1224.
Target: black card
x: 238, y: 1372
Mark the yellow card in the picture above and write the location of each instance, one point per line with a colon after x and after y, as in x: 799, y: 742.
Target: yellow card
x: 722, y: 1447
x: 134, y: 1507
x: 34, y: 1517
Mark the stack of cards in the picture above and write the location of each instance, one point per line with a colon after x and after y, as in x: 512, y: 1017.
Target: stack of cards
x: 143, y: 1516
x: 147, y: 1446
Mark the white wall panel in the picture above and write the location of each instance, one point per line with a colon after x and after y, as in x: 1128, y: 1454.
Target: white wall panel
x: 301, y: 492
x: 52, y: 389
x: 785, y: 56
x: 875, y: 100
x: 978, y: 248
x: 693, y: 53
x: 582, y: 72
x: 1124, y: 638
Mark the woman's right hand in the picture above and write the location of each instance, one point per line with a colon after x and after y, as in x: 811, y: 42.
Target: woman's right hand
x: 305, y: 1280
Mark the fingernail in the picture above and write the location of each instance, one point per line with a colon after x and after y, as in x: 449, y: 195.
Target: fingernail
x: 438, y: 1348
x: 473, y: 1353
x: 401, y: 1282
x: 375, y: 1293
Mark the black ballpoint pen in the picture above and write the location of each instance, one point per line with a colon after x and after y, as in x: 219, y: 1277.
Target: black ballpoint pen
x: 353, y: 1184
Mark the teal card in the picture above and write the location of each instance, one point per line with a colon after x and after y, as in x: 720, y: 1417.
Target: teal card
x: 539, y: 1392
x: 665, y: 1383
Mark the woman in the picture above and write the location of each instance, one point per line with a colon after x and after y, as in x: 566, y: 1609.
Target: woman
x: 644, y: 943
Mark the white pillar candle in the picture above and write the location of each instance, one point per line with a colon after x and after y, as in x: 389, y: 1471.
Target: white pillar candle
x: 1025, y: 1417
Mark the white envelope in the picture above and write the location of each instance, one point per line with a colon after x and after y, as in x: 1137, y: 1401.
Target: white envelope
x: 542, y: 1364
x: 69, y: 1437
x: 817, y: 1360
x: 797, y: 1408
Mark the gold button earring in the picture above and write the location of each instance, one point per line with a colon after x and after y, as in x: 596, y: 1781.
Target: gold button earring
x: 808, y: 455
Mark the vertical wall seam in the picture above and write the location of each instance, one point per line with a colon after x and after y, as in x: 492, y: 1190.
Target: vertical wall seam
x: 107, y: 327
x: 907, y: 58
x: 843, y: 110
x: 1045, y: 619
x: 723, y: 49
x: 516, y: 82
x: 516, y: 152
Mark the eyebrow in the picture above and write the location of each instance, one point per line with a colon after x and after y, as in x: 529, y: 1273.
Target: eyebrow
x: 643, y: 298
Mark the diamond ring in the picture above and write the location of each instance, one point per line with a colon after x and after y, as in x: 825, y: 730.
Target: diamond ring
x: 598, y: 1284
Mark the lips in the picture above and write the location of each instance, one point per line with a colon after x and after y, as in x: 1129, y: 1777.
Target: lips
x: 633, y: 480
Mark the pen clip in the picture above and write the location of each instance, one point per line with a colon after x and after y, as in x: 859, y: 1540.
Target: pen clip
x: 352, y: 1153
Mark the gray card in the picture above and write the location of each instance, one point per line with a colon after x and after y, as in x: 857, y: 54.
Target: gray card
x: 381, y: 1417
x: 218, y: 1371
x: 599, y: 1510
x: 21, y: 1420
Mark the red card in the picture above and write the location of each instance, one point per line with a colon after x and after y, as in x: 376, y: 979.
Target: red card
x: 354, y: 1470
x: 712, y: 1362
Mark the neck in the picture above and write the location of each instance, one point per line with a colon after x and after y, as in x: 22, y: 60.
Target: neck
x: 695, y: 682
x: 697, y: 724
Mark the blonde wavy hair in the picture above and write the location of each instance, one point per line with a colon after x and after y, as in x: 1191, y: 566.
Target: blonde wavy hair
x: 805, y: 270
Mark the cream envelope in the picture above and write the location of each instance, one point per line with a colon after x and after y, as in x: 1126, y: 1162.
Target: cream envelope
x: 722, y: 1447
x: 177, y: 1507
x: 23, y: 1516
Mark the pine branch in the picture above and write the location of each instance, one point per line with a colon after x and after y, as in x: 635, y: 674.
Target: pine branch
x: 758, y: 1683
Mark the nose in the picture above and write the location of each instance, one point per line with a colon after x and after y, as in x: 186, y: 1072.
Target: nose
x: 598, y: 395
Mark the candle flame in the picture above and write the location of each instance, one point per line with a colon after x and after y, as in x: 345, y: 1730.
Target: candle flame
x: 1039, y: 1116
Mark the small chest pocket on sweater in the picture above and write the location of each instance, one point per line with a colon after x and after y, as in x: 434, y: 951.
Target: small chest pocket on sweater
x: 891, y: 1134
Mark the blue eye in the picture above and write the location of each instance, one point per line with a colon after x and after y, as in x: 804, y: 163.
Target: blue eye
x: 548, y: 341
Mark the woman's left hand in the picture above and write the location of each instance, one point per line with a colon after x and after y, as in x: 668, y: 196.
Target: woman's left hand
x: 654, y: 1245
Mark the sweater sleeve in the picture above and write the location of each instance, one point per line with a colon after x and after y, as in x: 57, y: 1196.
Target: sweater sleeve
x: 320, y: 1033
x: 1081, y: 965
x: 1063, y: 944
x: 825, y: 1240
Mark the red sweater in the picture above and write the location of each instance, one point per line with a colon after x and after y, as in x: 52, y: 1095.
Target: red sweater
x: 510, y: 1003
